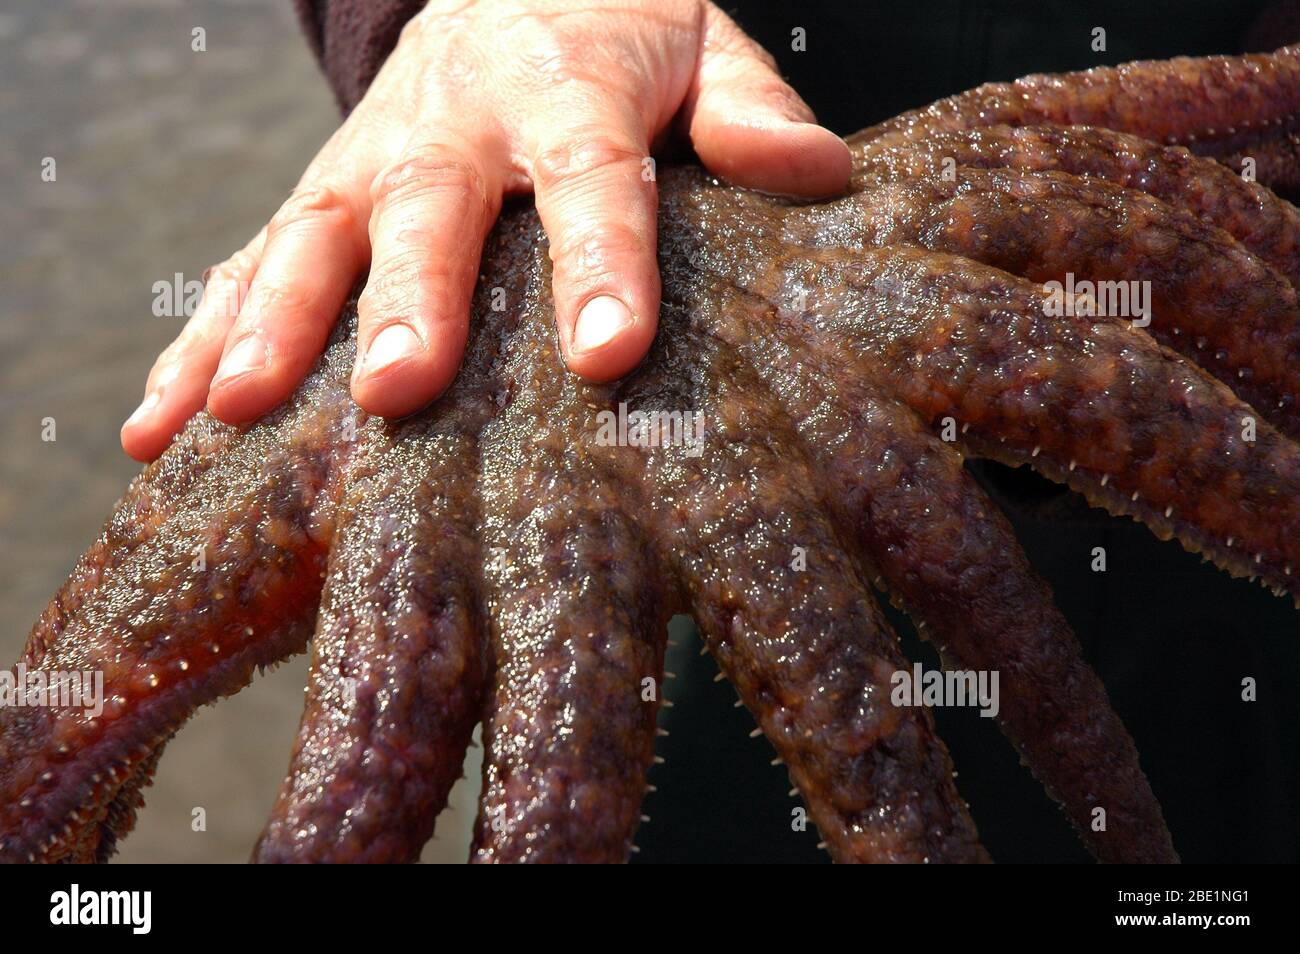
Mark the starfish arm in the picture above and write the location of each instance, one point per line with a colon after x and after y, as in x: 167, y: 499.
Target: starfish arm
x: 1209, y: 298
x: 1266, y: 225
x: 950, y: 559
x: 398, y: 662
x: 1216, y: 105
x: 578, y: 621
x: 800, y: 639
x: 929, y: 535
x: 1272, y: 158
x: 225, y: 580
x: 151, y: 498
x: 1086, y: 401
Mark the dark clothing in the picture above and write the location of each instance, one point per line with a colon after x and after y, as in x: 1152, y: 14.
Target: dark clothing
x: 352, y: 38
x: 868, y: 61
x: 1171, y: 639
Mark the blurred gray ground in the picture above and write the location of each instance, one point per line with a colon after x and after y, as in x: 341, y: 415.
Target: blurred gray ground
x: 167, y: 161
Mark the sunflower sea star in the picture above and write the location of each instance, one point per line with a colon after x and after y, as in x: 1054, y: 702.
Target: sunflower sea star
x: 495, y: 558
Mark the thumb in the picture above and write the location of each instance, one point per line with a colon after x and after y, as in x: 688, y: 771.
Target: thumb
x: 749, y: 126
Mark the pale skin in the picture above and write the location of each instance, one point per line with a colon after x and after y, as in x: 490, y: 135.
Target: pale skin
x: 479, y: 101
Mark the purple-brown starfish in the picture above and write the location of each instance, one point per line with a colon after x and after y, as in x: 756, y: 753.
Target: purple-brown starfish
x: 822, y: 371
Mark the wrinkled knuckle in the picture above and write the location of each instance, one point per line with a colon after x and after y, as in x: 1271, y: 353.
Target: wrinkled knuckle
x: 239, y: 266
x: 583, y: 155
x: 775, y: 92
x: 546, y: 48
x: 394, y: 287
x: 287, y: 299
x: 605, y: 252
x: 312, y: 207
x: 433, y: 170
x: 545, y: 62
x: 227, y: 271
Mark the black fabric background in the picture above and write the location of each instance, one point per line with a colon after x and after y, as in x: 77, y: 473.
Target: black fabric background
x: 1170, y: 637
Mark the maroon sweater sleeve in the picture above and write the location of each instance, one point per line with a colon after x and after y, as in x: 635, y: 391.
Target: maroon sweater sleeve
x: 352, y: 38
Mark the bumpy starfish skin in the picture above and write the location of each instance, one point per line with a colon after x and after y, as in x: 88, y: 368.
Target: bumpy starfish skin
x: 930, y: 536
x: 182, y: 611
x: 805, y: 646
x: 398, y: 655
x: 1263, y: 223
x: 497, y: 558
x: 1229, y: 107
x: 1210, y: 298
x: 578, y: 616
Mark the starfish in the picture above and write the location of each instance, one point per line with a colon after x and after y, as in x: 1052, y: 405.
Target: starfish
x: 797, y: 436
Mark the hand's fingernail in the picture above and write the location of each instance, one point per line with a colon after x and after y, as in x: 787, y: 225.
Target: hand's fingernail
x: 395, y: 343
x: 146, y: 407
x: 249, y: 355
x: 601, y: 321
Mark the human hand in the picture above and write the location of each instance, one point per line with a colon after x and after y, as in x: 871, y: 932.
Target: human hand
x: 477, y: 101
